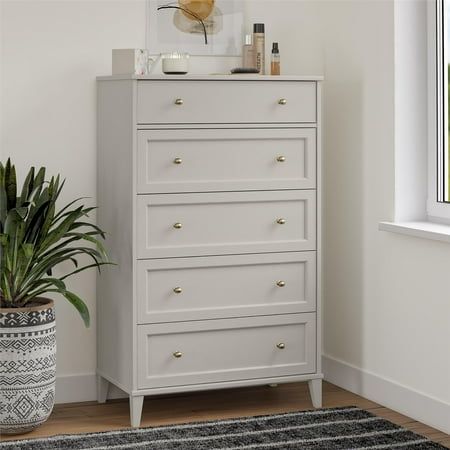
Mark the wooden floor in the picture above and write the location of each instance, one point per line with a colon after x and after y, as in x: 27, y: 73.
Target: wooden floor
x: 91, y: 417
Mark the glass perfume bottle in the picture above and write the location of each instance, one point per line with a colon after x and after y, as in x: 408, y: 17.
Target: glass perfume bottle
x: 275, y: 60
x: 248, y: 53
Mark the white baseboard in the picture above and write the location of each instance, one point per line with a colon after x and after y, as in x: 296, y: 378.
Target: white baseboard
x: 407, y: 401
x: 419, y: 406
x: 81, y: 388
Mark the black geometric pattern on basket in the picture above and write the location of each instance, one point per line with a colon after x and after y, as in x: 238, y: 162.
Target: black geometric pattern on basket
x: 27, y: 345
x: 30, y: 407
x: 26, y: 318
x: 12, y: 332
x: 27, y: 365
x: 20, y: 381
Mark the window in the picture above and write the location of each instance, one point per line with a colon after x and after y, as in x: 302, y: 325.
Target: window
x: 439, y: 173
x: 421, y: 126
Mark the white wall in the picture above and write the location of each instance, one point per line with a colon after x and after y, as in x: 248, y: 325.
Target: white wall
x: 387, y: 306
x: 51, y: 54
x: 387, y: 302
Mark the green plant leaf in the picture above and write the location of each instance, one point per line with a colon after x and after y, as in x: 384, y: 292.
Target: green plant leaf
x: 22, y: 212
x: 88, y: 225
x: 39, y: 182
x: 3, y: 198
x: 52, y: 281
x: 36, y: 237
x: 62, y: 212
x: 28, y: 250
x: 96, y: 242
x: 27, y: 187
x: 80, y: 306
x: 10, y: 185
x: 97, y: 265
x: 11, y: 221
x: 35, y: 220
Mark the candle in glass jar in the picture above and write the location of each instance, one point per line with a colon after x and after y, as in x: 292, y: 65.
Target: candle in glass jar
x: 175, y: 63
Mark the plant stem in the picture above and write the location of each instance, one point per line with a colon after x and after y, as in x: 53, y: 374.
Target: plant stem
x: 192, y: 14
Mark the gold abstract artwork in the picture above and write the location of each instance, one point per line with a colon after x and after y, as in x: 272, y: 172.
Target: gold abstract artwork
x: 197, y: 27
x: 206, y: 10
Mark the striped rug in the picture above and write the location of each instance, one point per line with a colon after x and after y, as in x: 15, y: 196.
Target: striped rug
x: 336, y: 428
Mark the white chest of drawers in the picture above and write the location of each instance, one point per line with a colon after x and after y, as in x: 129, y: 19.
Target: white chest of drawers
x: 209, y: 189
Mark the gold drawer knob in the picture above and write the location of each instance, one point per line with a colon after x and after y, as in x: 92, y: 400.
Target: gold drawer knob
x: 281, y: 221
x: 179, y: 101
x: 177, y: 290
x: 281, y: 283
x: 178, y: 354
x: 177, y: 225
x: 281, y: 345
x: 281, y: 159
x: 177, y: 161
x: 282, y: 101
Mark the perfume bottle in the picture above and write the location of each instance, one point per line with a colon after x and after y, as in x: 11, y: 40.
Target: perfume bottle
x: 259, y: 43
x: 275, y: 60
x: 248, y: 53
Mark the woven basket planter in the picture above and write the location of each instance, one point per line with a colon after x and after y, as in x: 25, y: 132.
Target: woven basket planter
x: 27, y: 366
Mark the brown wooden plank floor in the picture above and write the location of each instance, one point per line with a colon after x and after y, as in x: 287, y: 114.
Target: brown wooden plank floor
x: 91, y: 417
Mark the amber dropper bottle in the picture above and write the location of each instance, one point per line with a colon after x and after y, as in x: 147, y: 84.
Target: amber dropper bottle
x: 275, y: 60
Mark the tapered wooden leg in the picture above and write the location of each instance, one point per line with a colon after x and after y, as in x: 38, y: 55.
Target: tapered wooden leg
x: 136, y: 404
x: 315, y: 391
x: 102, y: 389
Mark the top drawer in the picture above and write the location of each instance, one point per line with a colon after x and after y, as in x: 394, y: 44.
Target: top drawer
x: 188, y: 102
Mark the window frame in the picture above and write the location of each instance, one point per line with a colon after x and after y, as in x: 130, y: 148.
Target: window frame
x: 437, y: 209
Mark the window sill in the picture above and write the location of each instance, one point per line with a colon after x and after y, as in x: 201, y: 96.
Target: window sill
x: 427, y: 230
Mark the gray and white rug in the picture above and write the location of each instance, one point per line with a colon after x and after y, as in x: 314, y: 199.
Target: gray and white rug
x: 337, y: 428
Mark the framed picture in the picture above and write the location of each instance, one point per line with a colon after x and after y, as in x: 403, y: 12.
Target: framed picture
x: 198, y: 27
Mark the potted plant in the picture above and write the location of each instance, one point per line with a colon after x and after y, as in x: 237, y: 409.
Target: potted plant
x: 35, y: 237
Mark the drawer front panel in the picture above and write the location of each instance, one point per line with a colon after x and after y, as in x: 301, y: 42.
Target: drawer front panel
x: 227, y: 223
x: 225, y: 350
x: 225, y: 160
x: 180, y: 289
x: 226, y: 102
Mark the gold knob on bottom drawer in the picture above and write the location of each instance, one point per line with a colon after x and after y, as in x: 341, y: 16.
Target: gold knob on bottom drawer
x: 177, y: 161
x: 281, y: 221
x: 281, y: 345
x: 179, y: 101
x: 178, y: 354
x: 281, y: 283
x: 281, y: 158
x: 177, y: 290
x: 282, y: 101
x: 177, y: 225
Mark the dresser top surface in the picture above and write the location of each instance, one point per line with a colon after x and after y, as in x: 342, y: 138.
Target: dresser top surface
x: 213, y: 77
